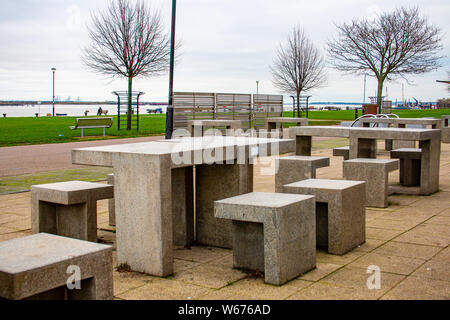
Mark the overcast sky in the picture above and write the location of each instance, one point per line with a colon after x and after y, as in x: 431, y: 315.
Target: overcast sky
x: 227, y: 46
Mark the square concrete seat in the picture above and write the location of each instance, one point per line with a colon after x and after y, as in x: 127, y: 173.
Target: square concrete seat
x: 45, y: 266
x: 375, y: 172
x: 340, y: 212
x: 111, y: 203
x: 272, y: 232
x: 342, y: 152
x: 296, y: 168
x: 68, y: 208
x: 410, y: 165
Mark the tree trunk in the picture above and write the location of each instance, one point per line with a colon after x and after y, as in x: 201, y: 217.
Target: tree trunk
x: 299, y: 114
x: 380, y: 94
x: 130, y: 102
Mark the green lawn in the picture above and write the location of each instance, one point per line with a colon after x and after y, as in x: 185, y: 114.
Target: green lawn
x: 28, y: 130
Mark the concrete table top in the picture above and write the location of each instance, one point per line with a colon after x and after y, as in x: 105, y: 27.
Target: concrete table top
x: 425, y: 121
x: 287, y: 120
x: 103, y: 155
x: 214, y: 122
x: 370, y: 133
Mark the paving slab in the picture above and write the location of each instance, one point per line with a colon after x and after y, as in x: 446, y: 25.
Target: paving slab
x: 413, y: 262
x: 416, y: 288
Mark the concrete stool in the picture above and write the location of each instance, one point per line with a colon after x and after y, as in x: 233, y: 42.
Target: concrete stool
x: 340, y: 212
x: 296, y: 168
x: 111, y: 203
x: 410, y: 163
x: 375, y: 172
x: 40, y: 267
x: 342, y: 152
x: 68, y: 208
x: 274, y: 233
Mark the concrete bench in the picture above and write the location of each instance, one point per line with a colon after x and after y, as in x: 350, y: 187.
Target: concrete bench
x: 342, y: 152
x: 90, y: 123
x: 296, y: 168
x: 68, y: 208
x: 42, y: 266
x: 375, y: 172
x: 111, y: 203
x: 340, y: 212
x: 274, y: 233
x: 410, y: 165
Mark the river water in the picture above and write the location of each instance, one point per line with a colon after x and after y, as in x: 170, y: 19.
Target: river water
x: 71, y: 110
x: 78, y: 110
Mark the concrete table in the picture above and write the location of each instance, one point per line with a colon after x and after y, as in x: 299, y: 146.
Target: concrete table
x: 153, y: 192
x: 272, y: 123
x: 195, y: 127
x: 402, y: 123
x: 363, y: 145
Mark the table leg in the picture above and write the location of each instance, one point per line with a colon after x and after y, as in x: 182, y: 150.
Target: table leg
x: 271, y: 126
x: 217, y: 182
x: 363, y: 148
x: 429, y: 173
x: 183, y: 206
x: 303, y: 145
x: 144, y: 213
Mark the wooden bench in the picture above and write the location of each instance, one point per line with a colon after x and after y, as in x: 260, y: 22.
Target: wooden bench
x: 90, y: 123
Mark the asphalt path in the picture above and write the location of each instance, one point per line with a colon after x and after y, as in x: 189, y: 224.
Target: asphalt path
x: 48, y: 157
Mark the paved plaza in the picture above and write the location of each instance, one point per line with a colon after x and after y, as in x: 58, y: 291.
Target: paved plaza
x: 408, y: 241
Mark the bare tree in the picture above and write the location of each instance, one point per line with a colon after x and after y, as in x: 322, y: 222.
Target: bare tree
x: 127, y: 40
x: 298, y: 66
x: 392, y: 44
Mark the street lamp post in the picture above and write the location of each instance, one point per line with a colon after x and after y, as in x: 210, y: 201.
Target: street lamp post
x: 53, y: 70
x: 169, y: 112
x: 255, y: 104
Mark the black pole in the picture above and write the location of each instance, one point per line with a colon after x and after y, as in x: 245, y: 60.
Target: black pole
x: 53, y: 70
x: 293, y: 106
x: 307, y: 105
x: 169, y: 112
